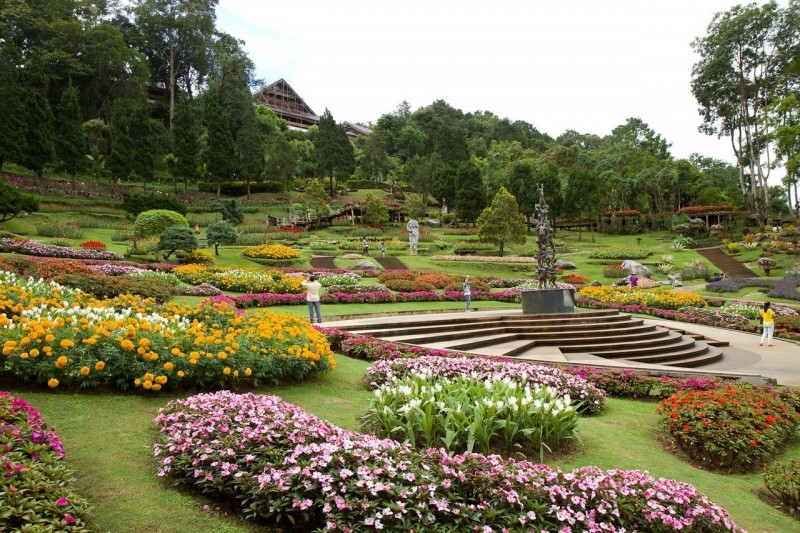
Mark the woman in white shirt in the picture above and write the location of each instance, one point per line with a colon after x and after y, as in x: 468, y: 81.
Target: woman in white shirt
x: 312, y: 297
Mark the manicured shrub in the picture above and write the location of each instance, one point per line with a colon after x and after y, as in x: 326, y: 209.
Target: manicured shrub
x: 101, y: 286
x: 782, y: 479
x: 176, y: 238
x: 221, y: 233
x: 36, y: 485
x: 735, y: 428
x: 621, y: 252
x: 156, y: 221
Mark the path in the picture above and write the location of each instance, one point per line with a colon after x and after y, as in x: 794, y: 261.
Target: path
x: 726, y: 263
x: 323, y: 261
x: 390, y: 263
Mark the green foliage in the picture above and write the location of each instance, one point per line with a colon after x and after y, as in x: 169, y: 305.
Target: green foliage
x: 334, y: 152
x: 155, y: 221
x: 415, y: 207
x: 219, y: 154
x: 467, y: 414
x: 221, y: 233
x: 735, y: 428
x: 239, y: 188
x: 14, y: 202
x: 135, y: 134
x: 71, y: 146
x: 135, y: 203
x: 54, y: 229
x: 502, y: 222
x: 782, y: 479
x: 39, y: 130
x: 316, y: 198
x: 621, y: 252
x: 102, y: 286
x: 354, y: 185
x: 177, y: 238
x: 375, y: 211
x: 230, y: 210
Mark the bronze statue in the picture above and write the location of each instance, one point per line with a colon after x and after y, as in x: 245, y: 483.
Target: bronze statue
x: 546, y: 257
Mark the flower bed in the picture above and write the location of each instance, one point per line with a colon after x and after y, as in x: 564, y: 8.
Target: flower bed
x: 621, y: 252
x: 49, y: 250
x: 661, y: 298
x: 484, y: 258
x: 36, y: 492
x: 271, y: 251
x: 240, y: 279
x: 286, y: 466
x: 564, y: 382
x: 785, y: 288
x: 55, y: 336
x: 736, y: 428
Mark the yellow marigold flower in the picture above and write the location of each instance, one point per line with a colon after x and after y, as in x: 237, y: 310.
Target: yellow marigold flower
x: 137, y: 382
x: 47, y: 350
x: 147, y: 385
x: 149, y: 377
x: 24, y: 341
x: 61, y: 362
x: 168, y: 366
x: 85, y: 371
x: 155, y: 387
x: 181, y: 373
x: 7, y: 350
x: 247, y: 371
x: 49, y: 337
x: 175, y: 351
x: 161, y: 380
x: 23, y: 355
x: 52, y: 383
x: 236, y: 373
x: 140, y: 350
x: 226, y: 371
x: 100, y: 365
x: 144, y: 341
x: 90, y: 340
x: 222, y: 356
x: 66, y: 343
x: 127, y: 345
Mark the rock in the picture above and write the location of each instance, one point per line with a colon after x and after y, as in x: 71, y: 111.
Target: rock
x: 365, y: 265
x: 636, y: 268
x: 565, y: 265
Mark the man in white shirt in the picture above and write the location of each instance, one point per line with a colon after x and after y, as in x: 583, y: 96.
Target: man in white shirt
x: 312, y: 297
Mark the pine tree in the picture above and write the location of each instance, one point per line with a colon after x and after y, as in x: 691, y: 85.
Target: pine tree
x: 12, y: 126
x: 219, y: 154
x: 250, y: 150
x: 186, y: 146
x: 71, y: 145
x: 39, y: 132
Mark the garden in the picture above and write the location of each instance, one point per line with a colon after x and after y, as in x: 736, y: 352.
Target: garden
x: 169, y: 380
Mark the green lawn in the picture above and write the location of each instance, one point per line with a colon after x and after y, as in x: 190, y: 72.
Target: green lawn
x: 108, y: 440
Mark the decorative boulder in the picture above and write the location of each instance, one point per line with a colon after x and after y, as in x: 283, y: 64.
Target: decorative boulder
x: 565, y: 265
x: 365, y: 265
x: 636, y: 268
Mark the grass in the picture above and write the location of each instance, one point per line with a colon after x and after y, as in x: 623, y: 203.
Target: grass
x: 108, y: 439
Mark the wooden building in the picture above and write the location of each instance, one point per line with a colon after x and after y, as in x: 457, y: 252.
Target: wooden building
x: 287, y: 104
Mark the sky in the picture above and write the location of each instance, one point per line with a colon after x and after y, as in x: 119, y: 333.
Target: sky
x: 583, y: 65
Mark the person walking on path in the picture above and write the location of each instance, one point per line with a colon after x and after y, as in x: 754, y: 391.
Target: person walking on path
x: 312, y: 287
x: 467, y: 294
x: 365, y: 247
x: 768, y: 324
x: 383, y: 249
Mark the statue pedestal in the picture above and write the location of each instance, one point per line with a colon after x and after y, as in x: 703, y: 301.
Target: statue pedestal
x: 544, y: 301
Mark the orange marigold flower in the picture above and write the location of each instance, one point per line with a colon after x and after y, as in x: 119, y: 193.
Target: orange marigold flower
x: 52, y: 383
x: 66, y: 343
x: 100, y: 365
x: 85, y: 371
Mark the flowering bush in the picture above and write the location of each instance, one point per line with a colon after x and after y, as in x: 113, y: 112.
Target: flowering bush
x: 204, y: 289
x: 614, y: 271
x: 779, y: 288
x: 194, y: 257
x: 284, y: 465
x: 695, y: 270
x: 271, y: 251
x: 626, y: 383
x: 464, y: 413
x: 588, y: 397
x: 575, y: 279
x: 782, y: 479
x: 58, y: 336
x: 97, y: 245
x: 735, y: 428
x: 36, y: 492
x: 621, y: 252
x: 484, y: 258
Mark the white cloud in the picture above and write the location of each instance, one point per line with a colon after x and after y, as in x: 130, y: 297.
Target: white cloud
x: 585, y: 65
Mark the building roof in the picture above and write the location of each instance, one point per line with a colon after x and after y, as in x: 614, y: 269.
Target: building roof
x: 355, y: 130
x: 287, y: 104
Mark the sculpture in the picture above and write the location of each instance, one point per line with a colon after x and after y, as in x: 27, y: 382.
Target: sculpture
x: 546, y: 257
x: 413, y: 235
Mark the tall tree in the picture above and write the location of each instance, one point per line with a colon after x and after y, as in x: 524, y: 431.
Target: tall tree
x: 373, y: 161
x: 70, y: 143
x: 523, y: 185
x: 219, y: 153
x: 335, y: 158
x: 186, y: 141
x: 733, y: 82
x: 249, y: 150
x: 470, y: 193
x: 502, y: 222
x: 583, y: 192
x: 281, y: 159
x: 316, y: 200
x: 39, y: 130
x: 135, y: 137
x: 12, y: 126
x: 96, y: 133
x: 175, y: 35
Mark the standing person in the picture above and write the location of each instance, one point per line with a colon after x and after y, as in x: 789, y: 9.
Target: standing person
x: 768, y: 323
x: 467, y: 294
x: 312, y: 297
x: 383, y: 249
x: 365, y: 246
x: 633, y: 279
x: 197, y: 229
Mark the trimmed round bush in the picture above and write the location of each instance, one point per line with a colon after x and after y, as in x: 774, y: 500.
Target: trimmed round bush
x: 156, y: 221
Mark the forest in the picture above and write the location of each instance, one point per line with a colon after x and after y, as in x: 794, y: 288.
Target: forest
x: 152, y: 91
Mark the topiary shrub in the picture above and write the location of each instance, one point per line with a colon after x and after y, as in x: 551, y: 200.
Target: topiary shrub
x: 156, y: 221
x: 220, y: 233
x: 177, y: 238
x: 101, y: 286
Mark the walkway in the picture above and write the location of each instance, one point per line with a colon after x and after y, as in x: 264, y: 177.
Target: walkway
x: 726, y: 263
x: 390, y: 263
x: 323, y: 261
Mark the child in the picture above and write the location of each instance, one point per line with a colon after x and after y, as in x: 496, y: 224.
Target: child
x: 383, y: 249
x: 365, y: 247
x: 467, y: 294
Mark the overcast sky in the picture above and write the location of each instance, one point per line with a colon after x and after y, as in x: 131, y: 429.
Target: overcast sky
x: 585, y: 65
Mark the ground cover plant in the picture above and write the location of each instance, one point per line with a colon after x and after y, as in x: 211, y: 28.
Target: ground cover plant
x: 384, y: 484
x: 37, y: 492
